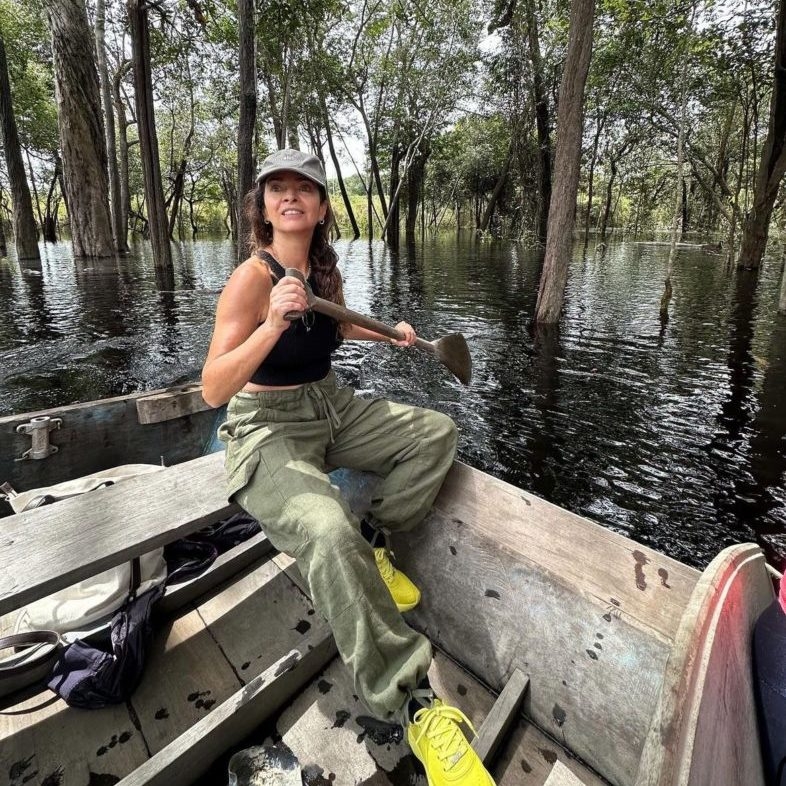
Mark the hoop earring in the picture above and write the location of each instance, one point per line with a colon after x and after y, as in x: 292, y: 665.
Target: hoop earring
x: 267, y: 222
x: 321, y: 221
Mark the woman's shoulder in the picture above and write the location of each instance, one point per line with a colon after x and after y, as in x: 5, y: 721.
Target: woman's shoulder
x: 254, y: 268
x: 251, y: 277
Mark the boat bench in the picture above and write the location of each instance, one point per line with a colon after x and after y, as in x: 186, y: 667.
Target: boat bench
x: 52, y: 547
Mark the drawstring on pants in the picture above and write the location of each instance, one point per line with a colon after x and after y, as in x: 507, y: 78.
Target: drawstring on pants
x: 325, y: 407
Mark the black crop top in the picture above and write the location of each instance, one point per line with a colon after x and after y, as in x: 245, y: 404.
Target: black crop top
x: 302, y: 352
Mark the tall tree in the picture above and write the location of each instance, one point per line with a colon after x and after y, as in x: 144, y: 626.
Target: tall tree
x: 570, y: 125
x: 247, y: 121
x: 676, y: 226
x: 542, y: 123
x: 122, y: 147
x: 25, y: 230
x: 82, y: 140
x: 148, y: 137
x: 772, y: 165
x: 119, y: 221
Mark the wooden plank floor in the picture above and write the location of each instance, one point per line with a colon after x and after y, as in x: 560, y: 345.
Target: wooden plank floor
x: 336, y: 741
x: 195, y: 662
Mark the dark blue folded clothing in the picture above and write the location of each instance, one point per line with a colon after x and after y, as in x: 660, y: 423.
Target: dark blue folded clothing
x: 188, y: 557
x: 90, y: 677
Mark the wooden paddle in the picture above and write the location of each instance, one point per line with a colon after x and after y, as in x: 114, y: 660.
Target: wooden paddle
x: 451, y: 350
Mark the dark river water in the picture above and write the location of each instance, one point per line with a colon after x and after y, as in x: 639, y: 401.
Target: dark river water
x: 674, y: 436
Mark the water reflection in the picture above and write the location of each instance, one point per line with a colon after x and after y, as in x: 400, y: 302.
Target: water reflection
x: 674, y: 435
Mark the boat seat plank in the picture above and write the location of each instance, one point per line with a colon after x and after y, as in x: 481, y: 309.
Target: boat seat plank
x: 502, y: 715
x: 560, y: 775
x: 170, y: 404
x: 49, y: 548
x: 180, y: 762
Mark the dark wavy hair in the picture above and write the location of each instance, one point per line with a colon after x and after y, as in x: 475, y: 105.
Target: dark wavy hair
x: 321, y: 255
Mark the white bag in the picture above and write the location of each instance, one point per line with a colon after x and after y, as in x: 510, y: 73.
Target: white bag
x: 90, y: 603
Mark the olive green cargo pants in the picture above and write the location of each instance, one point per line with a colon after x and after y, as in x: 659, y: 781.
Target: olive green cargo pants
x: 280, y: 445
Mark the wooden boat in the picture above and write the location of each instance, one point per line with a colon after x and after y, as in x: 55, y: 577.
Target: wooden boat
x: 638, y: 666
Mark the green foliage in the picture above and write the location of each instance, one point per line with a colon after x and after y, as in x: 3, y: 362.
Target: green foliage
x: 30, y: 70
x: 409, y: 77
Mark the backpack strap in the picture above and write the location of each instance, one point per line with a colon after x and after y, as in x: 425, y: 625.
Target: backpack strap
x: 40, y: 648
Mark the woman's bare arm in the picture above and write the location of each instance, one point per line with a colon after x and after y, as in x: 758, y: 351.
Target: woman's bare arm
x: 240, y: 343
x: 357, y: 333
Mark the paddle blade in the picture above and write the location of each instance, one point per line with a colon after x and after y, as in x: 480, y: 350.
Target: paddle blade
x: 453, y: 351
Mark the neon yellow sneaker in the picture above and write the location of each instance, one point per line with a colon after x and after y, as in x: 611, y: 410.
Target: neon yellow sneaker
x: 437, y: 740
x: 404, y: 592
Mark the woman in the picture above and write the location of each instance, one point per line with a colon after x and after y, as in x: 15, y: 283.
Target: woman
x: 288, y: 423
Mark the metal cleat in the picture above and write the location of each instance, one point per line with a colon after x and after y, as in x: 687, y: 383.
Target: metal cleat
x: 38, y: 429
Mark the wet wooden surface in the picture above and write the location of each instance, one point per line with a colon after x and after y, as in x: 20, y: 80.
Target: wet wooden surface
x: 43, y: 742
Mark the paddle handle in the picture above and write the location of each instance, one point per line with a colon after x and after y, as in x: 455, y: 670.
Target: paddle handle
x: 344, y: 314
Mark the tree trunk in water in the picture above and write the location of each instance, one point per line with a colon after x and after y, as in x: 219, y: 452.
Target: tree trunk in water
x: 36, y: 200
x: 773, y: 160
x: 675, y: 222
x: 148, y: 140
x: 230, y: 195
x: 370, y: 207
x: 685, y: 224
x: 177, y: 196
x: 248, y: 115
x: 25, y: 229
x: 392, y: 220
x: 782, y: 298
x: 374, y: 163
x: 591, y: 182
x: 498, y: 188
x: 540, y: 99
x: 342, y: 187
x: 49, y: 227
x: 122, y: 153
x: 604, y: 221
x: 562, y: 209
x: 415, y: 177
x: 179, y: 185
x: 82, y: 140
x: 119, y: 226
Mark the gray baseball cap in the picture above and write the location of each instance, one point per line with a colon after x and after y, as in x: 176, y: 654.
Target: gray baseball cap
x: 293, y: 161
